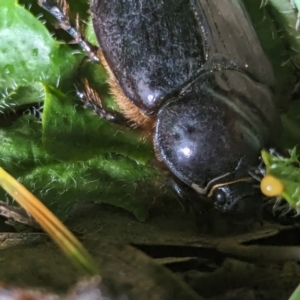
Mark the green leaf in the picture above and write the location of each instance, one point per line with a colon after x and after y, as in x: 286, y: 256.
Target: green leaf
x: 28, y: 53
x: 272, y: 32
x: 286, y: 15
x: 115, y: 180
x: 21, y: 149
x: 291, y: 124
x: 296, y: 293
x: 108, y: 178
x: 71, y: 132
x: 20, y: 96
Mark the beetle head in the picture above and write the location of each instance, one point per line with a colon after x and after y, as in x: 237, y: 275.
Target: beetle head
x: 207, y: 143
x: 241, y: 197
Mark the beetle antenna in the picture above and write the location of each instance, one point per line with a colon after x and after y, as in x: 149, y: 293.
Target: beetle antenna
x: 60, y: 13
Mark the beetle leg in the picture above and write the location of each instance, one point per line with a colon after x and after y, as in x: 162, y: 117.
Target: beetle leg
x: 59, y: 13
x: 188, y: 198
x: 89, y: 96
x: 92, y: 100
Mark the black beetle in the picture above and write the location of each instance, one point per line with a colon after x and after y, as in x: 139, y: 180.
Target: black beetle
x: 194, y: 75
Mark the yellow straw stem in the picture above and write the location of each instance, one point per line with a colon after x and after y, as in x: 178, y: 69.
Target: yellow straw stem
x: 49, y: 222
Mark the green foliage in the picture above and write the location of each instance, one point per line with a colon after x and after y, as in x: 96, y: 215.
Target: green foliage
x: 272, y: 24
x: 71, y: 155
x: 286, y: 169
x: 296, y: 294
x: 86, y: 134
x: 28, y: 53
x: 291, y: 124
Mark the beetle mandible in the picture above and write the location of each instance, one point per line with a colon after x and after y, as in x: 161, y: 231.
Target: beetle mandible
x: 194, y: 75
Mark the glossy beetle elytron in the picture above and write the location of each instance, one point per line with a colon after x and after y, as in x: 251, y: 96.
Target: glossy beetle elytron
x: 193, y: 73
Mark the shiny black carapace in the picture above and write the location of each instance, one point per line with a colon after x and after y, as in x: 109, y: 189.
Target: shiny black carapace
x: 194, y: 75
